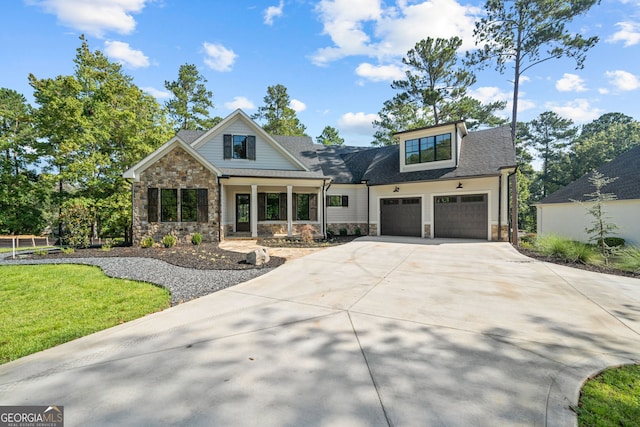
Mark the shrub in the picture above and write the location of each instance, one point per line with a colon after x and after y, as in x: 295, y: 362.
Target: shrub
x: 343, y: 231
x: 628, y: 259
x: 169, y: 241
x: 68, y: 250
x: 358, y: 232
x: 330, y: 234
x: 581, y: 252
x: 551, y: 245
x: 40, y: 252
x: 107, y: 245
x: 76, y: 221
x: 147, y: 242
x: 196, y: 238
x: 306, y: 233
x: 614, y: 242
x: 528, y: 238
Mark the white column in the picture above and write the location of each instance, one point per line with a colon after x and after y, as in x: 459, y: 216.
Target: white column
x: 289, y: 210
x: 320, y: 209
x: 254, y: 210
x: 223, y: 210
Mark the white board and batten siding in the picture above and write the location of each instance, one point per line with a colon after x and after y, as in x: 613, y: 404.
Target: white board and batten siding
x: 268, y: 156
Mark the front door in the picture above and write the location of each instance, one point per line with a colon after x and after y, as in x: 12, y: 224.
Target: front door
x: 243, y: 211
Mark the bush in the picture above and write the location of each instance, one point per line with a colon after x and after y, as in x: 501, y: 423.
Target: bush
x: 68, y: 251
x: 76, y: 221
x: 40, y: 252
x: 565, y: 249
x: 196, y: 238
x: 107, y: 245
x: 169, y: 241
x: 581, y: 252
x: 330, y: 234
x: 147, y: 242
x: 529, y: 238
x: 343, y: 231
x: 628, y: 259
x: 306, y: 233
x: 614, y: 242
x: 358, y: 232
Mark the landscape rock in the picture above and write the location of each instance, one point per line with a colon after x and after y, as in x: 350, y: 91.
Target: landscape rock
x: 258, y: 257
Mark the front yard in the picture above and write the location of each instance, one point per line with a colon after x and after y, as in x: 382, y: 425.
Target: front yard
x: 46, y: 305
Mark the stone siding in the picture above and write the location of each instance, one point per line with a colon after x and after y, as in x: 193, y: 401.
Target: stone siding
x: 349, y: 226
x: 427, y: 231
x: 504, y: 235
x: 179, y: 170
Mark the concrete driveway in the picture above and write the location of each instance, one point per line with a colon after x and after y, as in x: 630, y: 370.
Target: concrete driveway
x: 402, y: 332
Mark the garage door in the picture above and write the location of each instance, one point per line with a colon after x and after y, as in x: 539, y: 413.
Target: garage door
x: 401, y: 216
x: 461, y: 216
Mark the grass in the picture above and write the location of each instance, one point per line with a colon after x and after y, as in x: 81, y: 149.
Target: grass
x: 628, y: 259
x: 611, y: 398
x: 46, y: 305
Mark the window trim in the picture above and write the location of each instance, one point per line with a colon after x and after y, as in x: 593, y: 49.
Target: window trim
x: 228, y: 142
x: 425, y: 143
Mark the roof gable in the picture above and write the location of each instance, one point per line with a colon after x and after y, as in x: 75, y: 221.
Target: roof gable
x: 135, y: 171
x: 626, y: 167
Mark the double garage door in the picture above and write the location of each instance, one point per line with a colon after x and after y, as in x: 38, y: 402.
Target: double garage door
x: 454, y: 216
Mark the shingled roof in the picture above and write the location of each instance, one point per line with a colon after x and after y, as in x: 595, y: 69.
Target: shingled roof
x: 626, y: 167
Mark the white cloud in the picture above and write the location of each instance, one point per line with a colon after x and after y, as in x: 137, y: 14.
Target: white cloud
x: 240, y: 102
x: 123, y: 53
x: 570, y: 83
x: 379, y: 73
x: 365, y: 27
x: 94, y: 17
x: 623, y: 80
x: 524, y: 79
x: 357, y: 123
x: 297, y: 105
x: 218, y: 57
x: 486, y: 94
x: 603, y: 91
x: 580, y: 110
x: 629, y: 33
x: 156, y: 93
x: 273, y: 12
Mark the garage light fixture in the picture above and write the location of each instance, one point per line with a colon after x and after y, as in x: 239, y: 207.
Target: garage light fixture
x: 395, y: 190
x: 459, y: 185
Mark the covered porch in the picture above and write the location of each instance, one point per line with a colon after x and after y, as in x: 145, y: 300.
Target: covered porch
x: 271, y: 207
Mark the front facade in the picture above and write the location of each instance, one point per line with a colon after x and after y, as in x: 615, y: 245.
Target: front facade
x: 237, y: 180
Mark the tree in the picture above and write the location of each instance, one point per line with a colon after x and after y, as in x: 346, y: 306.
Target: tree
x: 330, y: 136
x: 279, y: 117
x: 603, y: 140
x: 600, y: 226
x: 189, y: 108
x: 550, y: 135
x: 522, y: 34
x: 435, y: 86
x: 97, y: 124
x: 23, y: 196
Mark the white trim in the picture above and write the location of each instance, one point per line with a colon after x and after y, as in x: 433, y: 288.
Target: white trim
x: 135, y: 171
x: 239, y: 114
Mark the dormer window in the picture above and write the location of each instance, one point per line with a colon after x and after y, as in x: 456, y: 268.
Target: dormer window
x: 428, y: 149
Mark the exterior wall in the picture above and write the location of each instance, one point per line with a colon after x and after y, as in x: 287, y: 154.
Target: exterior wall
x: 176, y: 170
x: 570, y: 220
x: 349, y: 217
x: 421, y: 133
x: 428, y: 190
x: 267, y: 155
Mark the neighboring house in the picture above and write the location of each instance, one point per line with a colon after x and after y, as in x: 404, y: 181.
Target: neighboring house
x: 559, y: 214
x: 237, y: 180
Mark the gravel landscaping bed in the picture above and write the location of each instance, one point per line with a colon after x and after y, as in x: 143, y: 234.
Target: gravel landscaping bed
x: 184, y: 283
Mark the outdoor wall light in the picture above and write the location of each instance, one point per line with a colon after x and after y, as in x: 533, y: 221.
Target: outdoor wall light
x: 395, y: 190
x: 459, y: 185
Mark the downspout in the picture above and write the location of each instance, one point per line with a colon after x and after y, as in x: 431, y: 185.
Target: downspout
x: 500, y: 207
x: 368, y: 209
x: 510, y: 186
x: 325, y: 188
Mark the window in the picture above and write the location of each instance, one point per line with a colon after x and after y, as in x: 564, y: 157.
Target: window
x: 168, y: 205
x: 188, y: 205
x: 305, y: 207
x: 239, y: 147
x: 272, y: 206
x: 336, y: 200
x: 428, y: 149
x: 194, y: 205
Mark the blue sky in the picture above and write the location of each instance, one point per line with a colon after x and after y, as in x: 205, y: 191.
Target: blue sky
x: 337, y: 58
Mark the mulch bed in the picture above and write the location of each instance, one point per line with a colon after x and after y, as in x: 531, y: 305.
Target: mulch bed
x: 588, y: 267
x: 206, y: 256
x: 297, y: 243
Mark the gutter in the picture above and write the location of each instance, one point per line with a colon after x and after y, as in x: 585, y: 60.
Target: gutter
x: 325, y: 188
x: 500, y: 208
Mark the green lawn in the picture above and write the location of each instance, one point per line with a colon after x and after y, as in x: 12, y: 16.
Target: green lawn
x: 24, y: 248
x: 46, y: 305
x: 611, y: 398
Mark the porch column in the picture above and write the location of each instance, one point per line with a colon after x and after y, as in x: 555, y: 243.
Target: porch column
x: 320, y: 211
x: 223, y: 211
x: 289, y: 210
x: 254, y: 210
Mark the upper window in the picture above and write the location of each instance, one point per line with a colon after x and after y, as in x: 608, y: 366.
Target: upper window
x: 239, y: 147
x: 428, y: 149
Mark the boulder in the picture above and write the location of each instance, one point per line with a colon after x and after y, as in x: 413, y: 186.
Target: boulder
x: 258, y: 257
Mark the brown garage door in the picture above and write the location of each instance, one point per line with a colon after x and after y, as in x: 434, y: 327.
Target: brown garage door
x: 401, y: 216
x: 461, y: 216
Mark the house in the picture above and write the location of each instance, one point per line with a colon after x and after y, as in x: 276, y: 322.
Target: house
x: 559, y: 214
x: 237, y: 180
